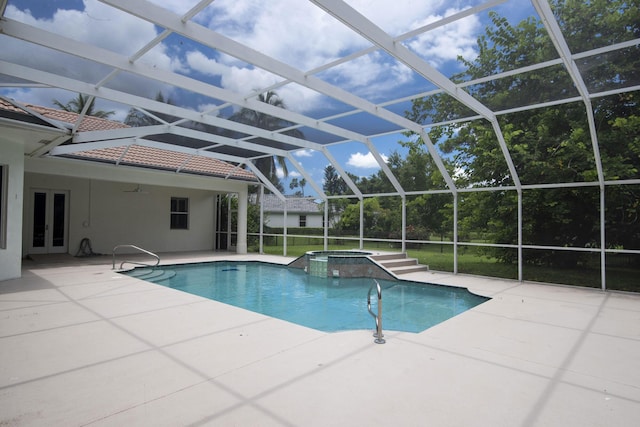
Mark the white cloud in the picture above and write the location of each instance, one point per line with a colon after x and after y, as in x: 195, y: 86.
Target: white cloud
x: 206, y: 108
x: 364, y: 161
x: 317, y: 38
x: 398, y: 16
x: 178, y: 6
x: 104, y: 27
x: 303, y: 153
x: 370, y: 76
x: 292, y: 31
x: 448, y: 42
x: 460, y: 172
x: 232, y: 77
x: 308, y: 40
x: 199, y: 62
x: 45, y: 97
x: 98, y: 25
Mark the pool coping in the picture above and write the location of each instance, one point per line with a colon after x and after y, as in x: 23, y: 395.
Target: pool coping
x: 82, y: 347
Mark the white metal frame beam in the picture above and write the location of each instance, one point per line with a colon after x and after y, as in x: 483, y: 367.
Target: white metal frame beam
x: 204, y: 36
x: 360, y: 24
x: 111, y: 59
x: 550, y: 23
x: 53, y: 41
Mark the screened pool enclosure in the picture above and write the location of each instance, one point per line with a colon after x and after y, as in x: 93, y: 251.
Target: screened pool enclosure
x: 505, y: 132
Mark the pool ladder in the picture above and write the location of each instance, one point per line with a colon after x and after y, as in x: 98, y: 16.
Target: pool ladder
x: 132, y: 262
x: 378, y: 318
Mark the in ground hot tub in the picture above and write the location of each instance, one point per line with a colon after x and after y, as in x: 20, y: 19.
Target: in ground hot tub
x: 341, y: 264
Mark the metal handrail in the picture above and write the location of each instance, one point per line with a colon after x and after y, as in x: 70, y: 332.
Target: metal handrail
x: 113, y: 266
x: 378, y: 318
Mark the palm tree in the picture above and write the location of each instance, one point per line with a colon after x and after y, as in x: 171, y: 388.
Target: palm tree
x: 77, y: 104
x: 298, y: 184
x: 136, y: 118
x: 267, y: 165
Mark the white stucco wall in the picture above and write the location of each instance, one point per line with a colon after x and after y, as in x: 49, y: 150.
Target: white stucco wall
x: 102, y: 211
x: 12, y: 155
x: 107, y: 214
x: 276, y: 219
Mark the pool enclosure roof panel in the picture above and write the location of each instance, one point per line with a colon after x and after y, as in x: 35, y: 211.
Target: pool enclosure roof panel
x: 346, y: 71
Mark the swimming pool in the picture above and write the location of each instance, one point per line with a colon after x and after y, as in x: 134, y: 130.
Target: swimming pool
x: 326, y: 304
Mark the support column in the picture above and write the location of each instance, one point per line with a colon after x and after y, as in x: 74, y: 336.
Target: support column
x: 326, y: 225
x: 520, y: 234
x: 603, y: 240
x: 455, y: 233
x: 261, y: 250
x: 241, y: 237
x: 404, y: 224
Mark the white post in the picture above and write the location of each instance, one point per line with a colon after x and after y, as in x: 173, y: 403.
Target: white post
x: 455, y: 233
x: 520, y: 257
x: 603, y: 242
x: 261, y: 219
x: 241, y: 236
x: 404, y: 224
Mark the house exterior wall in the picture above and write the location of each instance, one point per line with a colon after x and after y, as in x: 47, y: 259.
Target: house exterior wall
x: 276, y: 219
x: 109, y: 214
x: 12, y: 155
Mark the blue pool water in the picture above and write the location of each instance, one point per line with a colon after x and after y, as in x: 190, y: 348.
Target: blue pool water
x: 326, y: 304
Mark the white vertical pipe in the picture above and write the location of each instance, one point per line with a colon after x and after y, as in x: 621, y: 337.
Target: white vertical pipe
x: 241, y: 232
x: 361, y: 224
x: 284, y: 244
x: 326, y: 225
x: 603, y: 241
x: 404, y: 223
x: 520, y: 259
x: 455, y: 233
x: 229, y: 220
x: 261, y: 219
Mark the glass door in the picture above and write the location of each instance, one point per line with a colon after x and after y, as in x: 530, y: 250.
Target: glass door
x: 49, y: 221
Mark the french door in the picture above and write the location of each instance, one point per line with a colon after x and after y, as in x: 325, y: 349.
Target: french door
x: 49, y: 221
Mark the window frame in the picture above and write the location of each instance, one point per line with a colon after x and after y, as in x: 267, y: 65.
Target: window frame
x: 179, y: 213
x: 302, y: 221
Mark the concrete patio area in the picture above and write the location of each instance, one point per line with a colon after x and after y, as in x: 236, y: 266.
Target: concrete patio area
x: 82, y: 345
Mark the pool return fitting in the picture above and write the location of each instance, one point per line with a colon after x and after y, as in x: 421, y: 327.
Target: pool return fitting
x: 378, y: 318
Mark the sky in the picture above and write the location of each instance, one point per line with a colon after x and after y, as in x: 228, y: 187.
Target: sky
x: 305, y: 43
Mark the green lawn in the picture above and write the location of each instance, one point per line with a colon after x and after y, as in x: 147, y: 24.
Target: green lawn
x: 472, y: 261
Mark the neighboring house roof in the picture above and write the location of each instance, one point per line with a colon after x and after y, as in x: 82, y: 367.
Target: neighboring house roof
x: 133, y: 155
x: 271, y: 203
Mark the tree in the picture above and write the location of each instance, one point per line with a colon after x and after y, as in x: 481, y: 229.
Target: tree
x: 77, y: 104
x: 295, y: 183
x: 268, y: 165
x: 547, y: 145
x: 136, y: 118
x: 333, y: 184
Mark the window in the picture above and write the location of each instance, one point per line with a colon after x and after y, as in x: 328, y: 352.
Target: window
x: 179, y: 213
x: 3, y: 205
x: 303, y: 220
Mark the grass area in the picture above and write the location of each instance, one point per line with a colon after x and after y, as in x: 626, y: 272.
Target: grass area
x: 472, y: 261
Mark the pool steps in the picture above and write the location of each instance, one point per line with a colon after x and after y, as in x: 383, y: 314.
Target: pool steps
x: 399, y: 263
x: 155, y: 274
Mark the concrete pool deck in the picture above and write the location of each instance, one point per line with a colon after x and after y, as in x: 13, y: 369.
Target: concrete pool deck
x: 83, y: 345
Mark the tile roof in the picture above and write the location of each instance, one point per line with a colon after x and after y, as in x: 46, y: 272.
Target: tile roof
x: 89, y: 123
x: 136, y: 155
x: 271, y: 203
